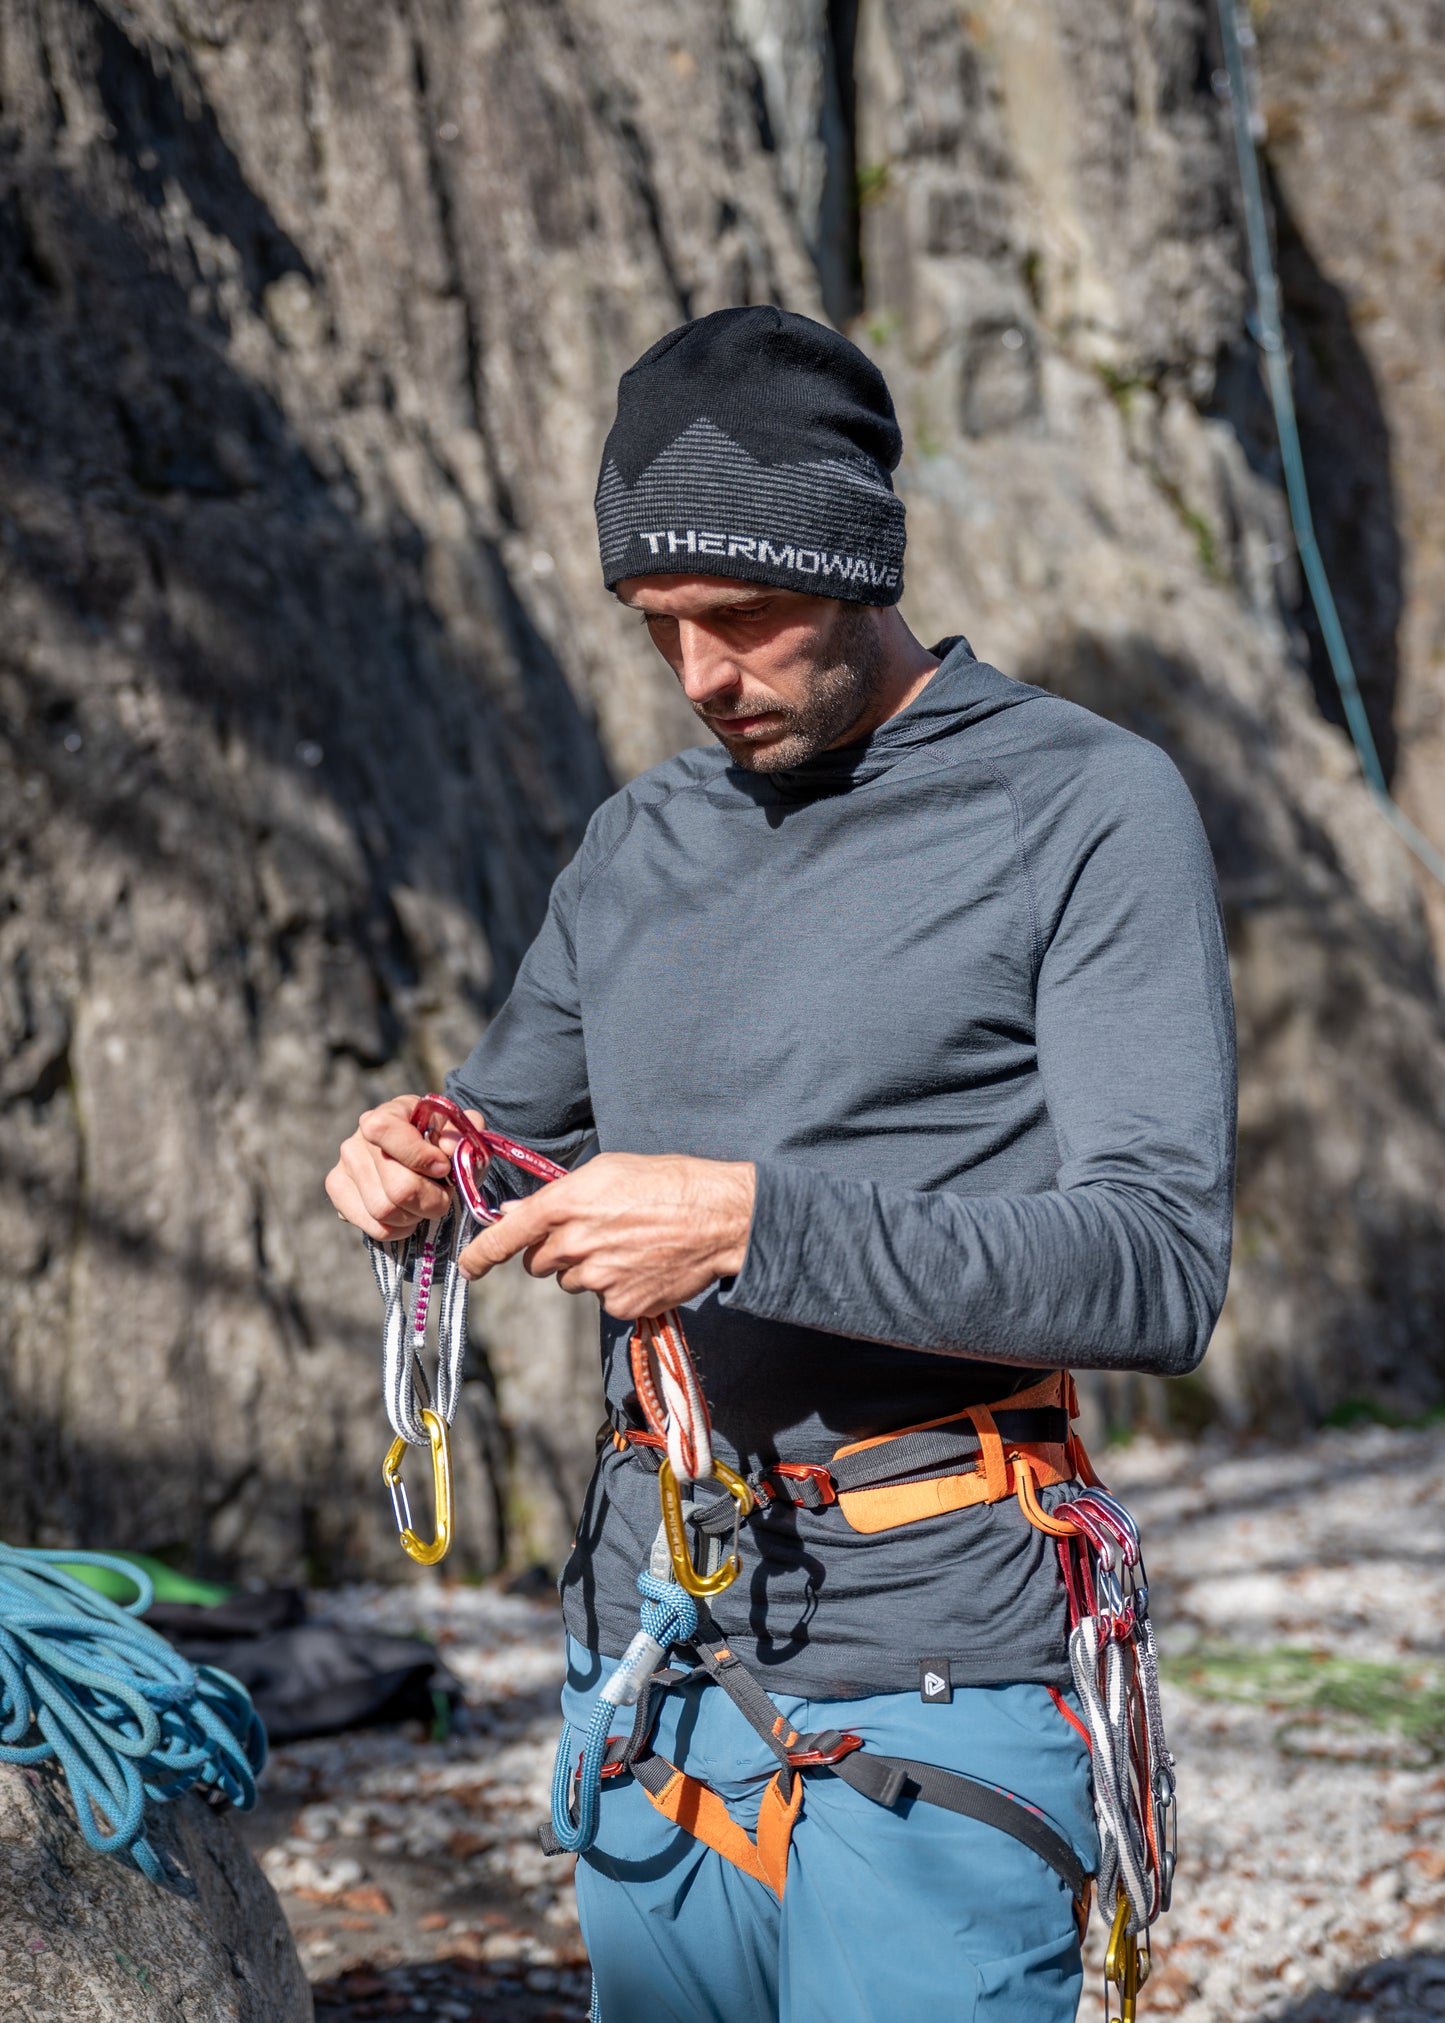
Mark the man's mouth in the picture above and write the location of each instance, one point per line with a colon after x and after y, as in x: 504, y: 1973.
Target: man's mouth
x: 746, y: 726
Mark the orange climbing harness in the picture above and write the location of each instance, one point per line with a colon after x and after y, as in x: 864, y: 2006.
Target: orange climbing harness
x: 983, y: 1454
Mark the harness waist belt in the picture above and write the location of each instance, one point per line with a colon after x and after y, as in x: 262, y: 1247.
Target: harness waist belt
x: 947, y: 1464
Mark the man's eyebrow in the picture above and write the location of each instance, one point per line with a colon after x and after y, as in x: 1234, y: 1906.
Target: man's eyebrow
x: 720, y: 610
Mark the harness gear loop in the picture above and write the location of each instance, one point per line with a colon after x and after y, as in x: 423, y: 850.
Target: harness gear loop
x: 701, y: 1586
x: 424, y: 1552
x: 1026, y: 1489
x: 994, y: 1467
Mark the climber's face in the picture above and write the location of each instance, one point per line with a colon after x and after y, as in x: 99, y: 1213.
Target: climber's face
x: 777, y: 676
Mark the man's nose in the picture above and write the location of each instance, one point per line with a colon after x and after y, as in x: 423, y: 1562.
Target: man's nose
x: 708, y: 668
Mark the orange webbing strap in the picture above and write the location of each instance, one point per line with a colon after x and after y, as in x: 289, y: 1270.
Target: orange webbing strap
x: 991, y: 1480
x: 698, y: 1810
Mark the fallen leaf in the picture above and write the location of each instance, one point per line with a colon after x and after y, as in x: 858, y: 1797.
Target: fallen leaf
x: 367, y: 1897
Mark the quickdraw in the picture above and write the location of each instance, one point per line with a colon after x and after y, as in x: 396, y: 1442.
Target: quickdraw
x: 419, y: 1275
x: 1115, y: 1665
x: 677, y: 1423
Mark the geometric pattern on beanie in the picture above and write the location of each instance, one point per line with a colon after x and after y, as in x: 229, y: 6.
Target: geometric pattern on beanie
x: 706, y: 506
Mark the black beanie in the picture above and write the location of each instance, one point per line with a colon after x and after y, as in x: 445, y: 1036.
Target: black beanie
x: 757, y: 444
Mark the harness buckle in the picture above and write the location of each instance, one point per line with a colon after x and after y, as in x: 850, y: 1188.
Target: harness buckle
x: 805, y: 1471
x: 701, y: 1586
x: 424, y: 1552
x: 828, y: 1748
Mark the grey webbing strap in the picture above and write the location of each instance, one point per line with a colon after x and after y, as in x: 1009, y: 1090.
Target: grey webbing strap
x: 887, y: 1780
x: 653, y: 1772
x: 944, y: 1447
x: 756, y: 1708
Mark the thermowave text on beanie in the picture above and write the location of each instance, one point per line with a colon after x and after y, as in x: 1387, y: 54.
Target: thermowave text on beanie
x: 772, y: 554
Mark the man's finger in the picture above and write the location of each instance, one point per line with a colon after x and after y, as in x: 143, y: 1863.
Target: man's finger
x: 344, y: 1198
x: 392, y: 1132
x: 523, y: 1224
x: 387, y: 1188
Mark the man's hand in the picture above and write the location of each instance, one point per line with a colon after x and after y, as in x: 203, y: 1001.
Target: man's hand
x: 388, y: 1177
x: 644, y: 1234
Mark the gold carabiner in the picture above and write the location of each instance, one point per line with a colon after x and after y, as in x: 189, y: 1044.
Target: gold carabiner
x: 1125, y: 1964
x: 424, y: 1553
x: 701, y: 1585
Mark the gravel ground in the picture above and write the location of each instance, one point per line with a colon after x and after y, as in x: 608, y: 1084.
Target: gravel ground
x: 1300, y: 1595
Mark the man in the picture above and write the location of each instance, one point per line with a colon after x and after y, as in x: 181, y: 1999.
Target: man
x: 902, y: 1024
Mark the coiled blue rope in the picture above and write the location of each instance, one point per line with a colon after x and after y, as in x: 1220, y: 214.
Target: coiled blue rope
x: 669, y: 1616
x: 125, y: 1716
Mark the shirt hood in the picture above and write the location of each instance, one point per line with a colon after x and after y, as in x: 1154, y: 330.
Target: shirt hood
x: 963, y: 691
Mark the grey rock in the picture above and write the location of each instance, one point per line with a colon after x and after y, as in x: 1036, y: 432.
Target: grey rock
x: 313, y: 319
x: 83, y: 1936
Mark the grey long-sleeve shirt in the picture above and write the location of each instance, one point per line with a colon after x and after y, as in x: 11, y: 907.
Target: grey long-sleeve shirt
x: 961, y: 993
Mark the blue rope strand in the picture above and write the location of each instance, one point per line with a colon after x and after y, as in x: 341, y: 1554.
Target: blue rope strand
x: 669, y: 1616
x: 86, y: 1685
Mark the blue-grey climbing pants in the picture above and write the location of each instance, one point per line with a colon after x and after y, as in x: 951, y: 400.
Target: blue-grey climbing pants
x: 917, y: 1914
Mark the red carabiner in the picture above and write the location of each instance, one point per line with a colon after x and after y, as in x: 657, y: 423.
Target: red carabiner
x: 474, y: 1151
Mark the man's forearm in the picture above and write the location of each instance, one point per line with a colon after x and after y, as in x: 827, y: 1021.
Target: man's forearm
x: 1103, y: 1276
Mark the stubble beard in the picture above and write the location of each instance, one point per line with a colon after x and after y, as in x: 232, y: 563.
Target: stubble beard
x: 837, y: 699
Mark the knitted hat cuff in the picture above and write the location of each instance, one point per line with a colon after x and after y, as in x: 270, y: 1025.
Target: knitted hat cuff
x: 706, y: 508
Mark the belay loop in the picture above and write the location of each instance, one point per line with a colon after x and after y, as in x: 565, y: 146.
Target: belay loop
x: 423, y: 1294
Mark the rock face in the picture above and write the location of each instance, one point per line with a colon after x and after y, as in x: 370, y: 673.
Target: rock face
x: 311, y: 321
x: 82, y: 1936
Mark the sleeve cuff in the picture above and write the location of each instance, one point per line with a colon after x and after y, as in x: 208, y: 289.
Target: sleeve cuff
x: 773, y: 1260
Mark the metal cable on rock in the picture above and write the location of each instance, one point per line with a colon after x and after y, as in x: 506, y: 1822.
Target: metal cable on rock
x: 1276, y: 366
x: 86, y: 1685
